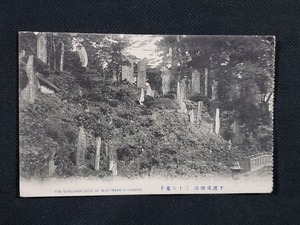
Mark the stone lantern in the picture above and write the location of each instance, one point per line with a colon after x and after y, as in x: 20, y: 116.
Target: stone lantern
x: 236, y: 170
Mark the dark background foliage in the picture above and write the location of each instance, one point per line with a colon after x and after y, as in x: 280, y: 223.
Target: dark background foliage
x: 277, y: 17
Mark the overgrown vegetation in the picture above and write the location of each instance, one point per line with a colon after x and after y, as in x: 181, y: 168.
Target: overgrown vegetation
x: 154, y: 138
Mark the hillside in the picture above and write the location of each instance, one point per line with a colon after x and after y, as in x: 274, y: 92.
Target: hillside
x: 153, y: 139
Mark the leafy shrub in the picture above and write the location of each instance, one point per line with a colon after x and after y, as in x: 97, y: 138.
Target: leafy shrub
x: 265, y: 138
x: 126, y: 153
x: 113, y: 103
x: 170, y: 95
x: 146, y: 112
x: 196, y: 97
x: 126, y: 114
x: 119, y: 122
x: 147, y: 122
x: 163, y: 103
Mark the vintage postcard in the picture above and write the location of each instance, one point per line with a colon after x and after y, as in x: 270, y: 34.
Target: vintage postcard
x: 121, y: 114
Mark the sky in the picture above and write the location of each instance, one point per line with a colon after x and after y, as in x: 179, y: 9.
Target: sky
x: 143, y: 46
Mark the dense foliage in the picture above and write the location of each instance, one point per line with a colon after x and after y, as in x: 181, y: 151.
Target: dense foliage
x: 153, y: 138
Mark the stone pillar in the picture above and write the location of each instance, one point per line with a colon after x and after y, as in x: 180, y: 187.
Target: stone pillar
x: 237, y: 135
x: 113, y: 162
x: 83, y: 56
x: 234, y: 127
x: 189, y: 87
x: 41, y: 50
x: 127, y: 72
x: 191, y: 116
x: 183, y: 107
x: 206, y: 81
x: 51, y: 166
x: 178, y: 97
x: 114, y: 72
x: 32, y: 79
x: 61, y: 56
x: 106, y: 149
x: 142, y: 96
x: 166, y: 80
x: 22, y: 54
x: 217, y: 121
x: 211, y: 128
x: 196, y: 82
x: 113, y: 167
x: 230, y: 144
x: 141, y: 75
x: 81, y: 147
x: 28, y: 93
x: 214, y: 90
x: 199, y: 112
x: 97, y: 155
x: 183, y: 89
x: 149, y: 91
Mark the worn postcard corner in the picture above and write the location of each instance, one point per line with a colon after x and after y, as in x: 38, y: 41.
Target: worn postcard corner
x: 120, y: 114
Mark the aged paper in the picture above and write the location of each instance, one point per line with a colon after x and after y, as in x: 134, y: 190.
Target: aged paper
x: 115, y: 114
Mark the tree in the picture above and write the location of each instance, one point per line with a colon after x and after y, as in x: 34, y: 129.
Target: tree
x: 242, y: 66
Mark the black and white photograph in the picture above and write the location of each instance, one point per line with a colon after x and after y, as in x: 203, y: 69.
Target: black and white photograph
x: 137, y: 114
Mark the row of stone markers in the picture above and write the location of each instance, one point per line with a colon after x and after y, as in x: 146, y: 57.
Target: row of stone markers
x: 196, y: 84
x: 187, y: 107
x: 141, y: 82
x: 127, y: 73
x: 82, y: 148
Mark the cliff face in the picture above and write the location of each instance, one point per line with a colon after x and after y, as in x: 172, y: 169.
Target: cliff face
x: 150, y: 139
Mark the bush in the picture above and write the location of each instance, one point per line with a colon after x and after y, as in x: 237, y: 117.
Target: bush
x: 196, y: 97
x: 163, y: 103
x: 119, y: 122
x: 113, y: 103
x: 170, y: 95
x: 147, y: 122
x: 126, y: 114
